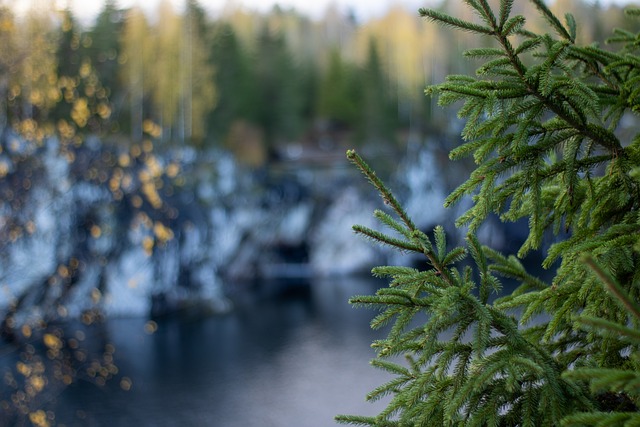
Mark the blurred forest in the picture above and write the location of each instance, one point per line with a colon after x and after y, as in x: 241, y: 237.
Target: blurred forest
x: 250, y: 82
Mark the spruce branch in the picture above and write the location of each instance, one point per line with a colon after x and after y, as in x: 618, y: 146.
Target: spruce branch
x: 505, y: 12
x: 390, y: 222
x: 552, y: 19
x: 541, y: 124
x: 387, y: 196
x: 613, y: 286
x: 379, y: 237
x: 450, y: 21
x: 602, y: 136
x: 599, y: 324
x: 601, y: 419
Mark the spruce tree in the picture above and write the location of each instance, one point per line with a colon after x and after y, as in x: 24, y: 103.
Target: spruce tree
x: 543, y: 125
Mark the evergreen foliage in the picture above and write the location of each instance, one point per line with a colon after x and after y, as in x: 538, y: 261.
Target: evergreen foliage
x: 233, y: 79
x: 279, y: 101
x: 379, y: 108
x: 543, y: 124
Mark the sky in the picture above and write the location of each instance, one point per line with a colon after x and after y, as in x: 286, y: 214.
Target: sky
x: 315, y: 8
x: 86, y: 10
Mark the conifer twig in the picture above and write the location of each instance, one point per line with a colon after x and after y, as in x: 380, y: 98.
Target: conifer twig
x: 387, y: 196
x: 612, y: 286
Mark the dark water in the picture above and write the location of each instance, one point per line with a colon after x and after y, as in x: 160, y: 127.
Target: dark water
x: 295, y: 356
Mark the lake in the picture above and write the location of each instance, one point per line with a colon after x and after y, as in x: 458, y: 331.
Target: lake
x: 289, y: 354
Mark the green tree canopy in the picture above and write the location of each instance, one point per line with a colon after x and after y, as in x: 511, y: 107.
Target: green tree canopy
x: 339, y: 94
x: 379, y: 114
x: 234, y: 81
x: 103, y: 45
x: 278, y: 98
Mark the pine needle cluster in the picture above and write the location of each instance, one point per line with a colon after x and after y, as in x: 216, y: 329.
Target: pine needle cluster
x: 542, y: 123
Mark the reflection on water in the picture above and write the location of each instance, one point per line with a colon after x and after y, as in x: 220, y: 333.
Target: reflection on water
x: 296, y: 356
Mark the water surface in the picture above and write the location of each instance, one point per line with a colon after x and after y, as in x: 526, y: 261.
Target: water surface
x: 295, y: 356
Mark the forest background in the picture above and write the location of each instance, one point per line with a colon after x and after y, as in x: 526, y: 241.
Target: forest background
x: 253, y: 83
